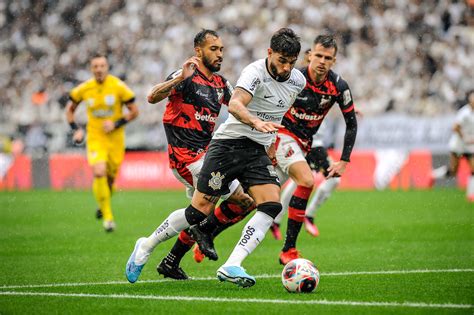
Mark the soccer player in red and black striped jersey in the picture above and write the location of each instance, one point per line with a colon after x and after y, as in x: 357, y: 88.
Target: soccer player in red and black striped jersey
x: 196, y: 93
x: 323, y: 89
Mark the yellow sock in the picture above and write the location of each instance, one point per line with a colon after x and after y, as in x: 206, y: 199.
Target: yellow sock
x: 101, y: 190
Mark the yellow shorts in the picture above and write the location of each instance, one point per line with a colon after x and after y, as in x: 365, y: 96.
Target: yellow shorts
x: 106, y: 148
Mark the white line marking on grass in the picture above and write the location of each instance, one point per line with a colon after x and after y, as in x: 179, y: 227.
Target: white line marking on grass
x: 238, y: 300
x: 263, y: 276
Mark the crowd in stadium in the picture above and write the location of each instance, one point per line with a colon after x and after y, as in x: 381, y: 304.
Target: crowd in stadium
x: 408, y: 56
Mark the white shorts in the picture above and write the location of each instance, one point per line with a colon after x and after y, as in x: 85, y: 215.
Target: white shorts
x: 189, y: 175
x: 458, y: 146
x: 288, y: 152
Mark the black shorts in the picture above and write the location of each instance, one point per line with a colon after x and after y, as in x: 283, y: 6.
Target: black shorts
x: 319, y: 160
x: 229, y: 159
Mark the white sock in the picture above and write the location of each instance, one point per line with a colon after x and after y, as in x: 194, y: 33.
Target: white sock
x: 174, y: 223
x: 322, y: 194
x: 470, y: 186
x: 252, y: 235
x: 285, y: 197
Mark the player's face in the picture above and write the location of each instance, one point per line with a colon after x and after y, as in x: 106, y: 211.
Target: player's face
x: 211, y: 53
x: 281, y: 65
x: 322, y: 59
x: 99, y: 68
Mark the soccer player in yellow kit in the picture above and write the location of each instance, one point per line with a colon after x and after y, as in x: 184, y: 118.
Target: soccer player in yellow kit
x: 103, y: 95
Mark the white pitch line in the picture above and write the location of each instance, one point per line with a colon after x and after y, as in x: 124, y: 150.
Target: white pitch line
x: 263, y: 276
x: 239, y: 300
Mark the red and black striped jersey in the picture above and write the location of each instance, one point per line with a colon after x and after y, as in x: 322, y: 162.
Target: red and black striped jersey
x: 305, y: 116
x: 191, y: 115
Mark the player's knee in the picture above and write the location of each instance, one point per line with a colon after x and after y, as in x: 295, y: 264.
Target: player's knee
x: 193, y: 215
x: 270, y: 208
x: 306, y: 181
x: 99, y: 170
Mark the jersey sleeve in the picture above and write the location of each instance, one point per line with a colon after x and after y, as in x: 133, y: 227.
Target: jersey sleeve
x: 181, y: 85
x: 229, y: 89
x: 344, y: 99
x: 76, y: 94
x: 460, y: 115
x: 126, y: 94
x: 249, y: 79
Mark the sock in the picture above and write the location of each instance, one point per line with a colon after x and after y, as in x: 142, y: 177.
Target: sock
x: 321, y: 195
x: 296, y: 213
x: 252, y: 234
x: 177, y: 253
x: 470, y: 187
x: 101, y: 191
x: 170, y: 227
x: 285, y: 198
x: 225, y: 213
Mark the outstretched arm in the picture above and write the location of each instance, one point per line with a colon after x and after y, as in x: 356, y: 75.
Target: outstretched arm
x: 162, y: 90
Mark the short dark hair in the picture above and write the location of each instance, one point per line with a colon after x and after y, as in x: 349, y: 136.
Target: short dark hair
x: 327, y: 41
x: 200, y: 37
x: 98, y: 55
x: 286, y: 42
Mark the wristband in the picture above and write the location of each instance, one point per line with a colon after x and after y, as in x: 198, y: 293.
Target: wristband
x: 119, y: 123
x: 73, y: 126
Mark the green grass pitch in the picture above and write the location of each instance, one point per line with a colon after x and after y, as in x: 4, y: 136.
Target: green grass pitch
x: 379, y: 252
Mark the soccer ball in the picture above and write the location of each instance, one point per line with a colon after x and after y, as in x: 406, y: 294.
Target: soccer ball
x: 300, y: 275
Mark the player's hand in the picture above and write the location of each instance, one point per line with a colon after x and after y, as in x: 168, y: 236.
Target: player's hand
x: 78, y: 136
x: 337, y: 169
x: 189, y: 66
x: 108, y: 126
x: 267, y: 126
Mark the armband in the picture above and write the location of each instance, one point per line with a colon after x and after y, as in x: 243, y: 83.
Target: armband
x: 121, y: 122
x: 73, y: 126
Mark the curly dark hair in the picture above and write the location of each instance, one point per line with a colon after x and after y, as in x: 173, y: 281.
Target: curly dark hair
x: 286, y: 42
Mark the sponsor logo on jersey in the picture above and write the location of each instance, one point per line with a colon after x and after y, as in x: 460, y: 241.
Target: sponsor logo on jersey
x: 216, y: 181
x: 293, y: 82
x: 305, y: 116
x: 207, y: 117
x: 101, y: 113
x: 267, y: 117
x: 201, y: 93
x: 267, y: 96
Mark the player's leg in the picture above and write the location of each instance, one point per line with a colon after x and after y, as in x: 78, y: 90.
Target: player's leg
x: 470, y: 183
x: 286, y: 194
x: 261, y: 179
x: 319, y: 160
x: 169, y: 266
x: 302, y: 175
x: 97, y: 159
x: 267, y: 198
x: 232, y: 210
x: 201, y: 205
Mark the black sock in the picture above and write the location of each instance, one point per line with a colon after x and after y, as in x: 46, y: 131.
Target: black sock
x: 209, y: 224
x: 292, y: 232
x: 177, y: 253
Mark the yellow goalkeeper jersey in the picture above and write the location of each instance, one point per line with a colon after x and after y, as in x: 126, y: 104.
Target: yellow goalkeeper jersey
x: 103, y: 101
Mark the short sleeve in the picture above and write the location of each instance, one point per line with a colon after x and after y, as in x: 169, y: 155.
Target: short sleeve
x: 229, y: 89
x: 127, y: 94
x: 76, y: 94
x: 180, y: 86
x: 249, y: 79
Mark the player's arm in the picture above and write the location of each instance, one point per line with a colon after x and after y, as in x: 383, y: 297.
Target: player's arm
x: 162, y: 90
x: 78, y: 132
x: 457, y: 129
x: 132, y: 113
x: 339, y: 167
x: 238, y: 108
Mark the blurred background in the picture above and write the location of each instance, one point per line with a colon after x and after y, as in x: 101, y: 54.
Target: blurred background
x: 409, y: 64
